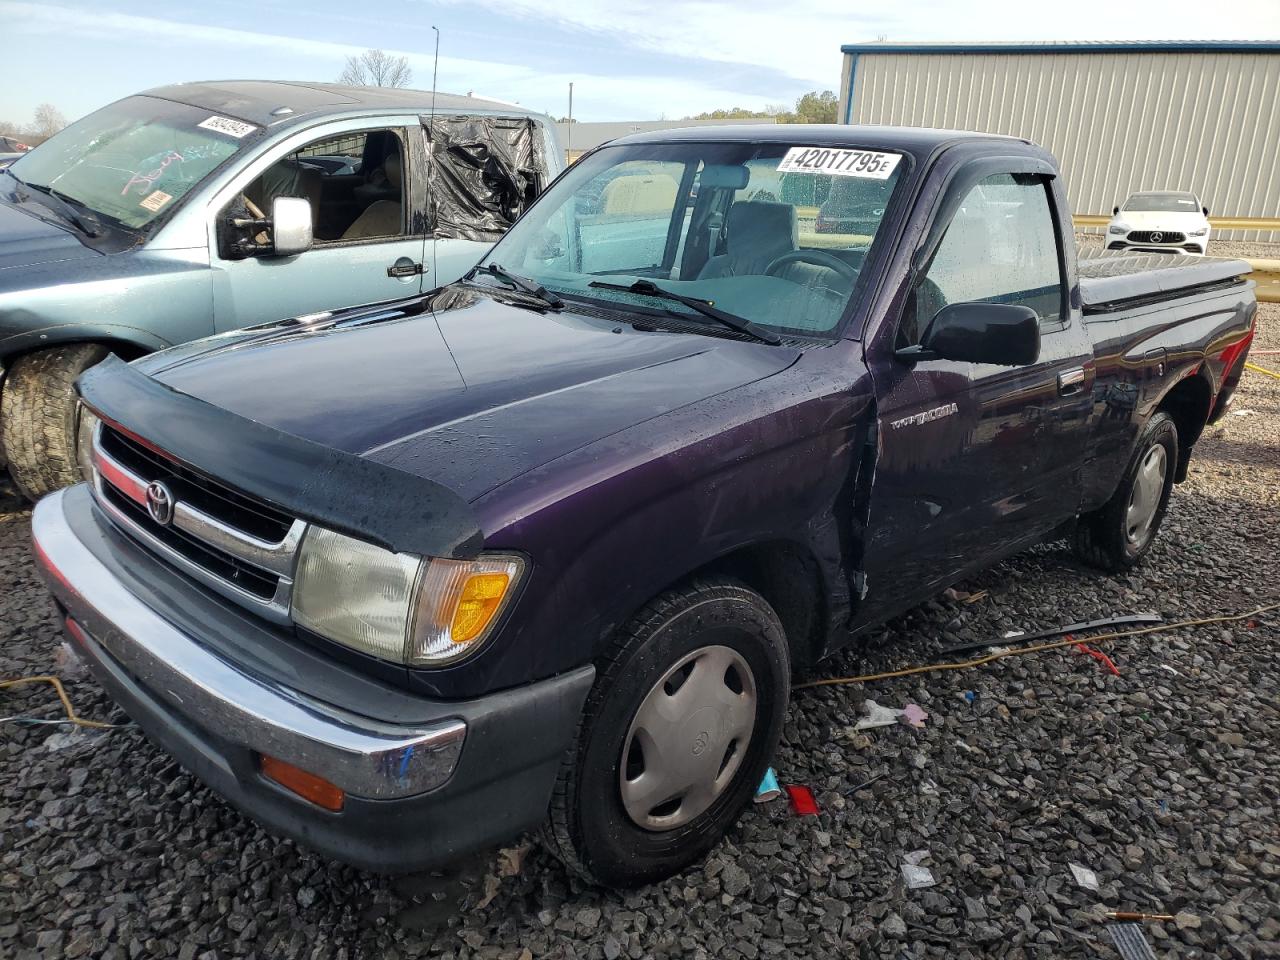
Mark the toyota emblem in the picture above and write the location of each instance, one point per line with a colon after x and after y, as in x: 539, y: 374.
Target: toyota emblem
x: 160, y: 503
x: 1157, y: 237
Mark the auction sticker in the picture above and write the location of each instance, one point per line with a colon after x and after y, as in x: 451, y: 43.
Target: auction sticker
x: 840, y: 162
x: 232, y: 128
x: 154, y: 200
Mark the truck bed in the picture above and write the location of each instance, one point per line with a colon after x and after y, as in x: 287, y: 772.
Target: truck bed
x: 1112, y: 279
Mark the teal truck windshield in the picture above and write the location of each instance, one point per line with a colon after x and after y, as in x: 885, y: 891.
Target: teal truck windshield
x: 772, y: 233
x: 135, y: 160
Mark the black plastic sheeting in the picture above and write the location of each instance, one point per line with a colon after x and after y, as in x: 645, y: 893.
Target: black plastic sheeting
x: 347, y: 493
x: 484, y: 172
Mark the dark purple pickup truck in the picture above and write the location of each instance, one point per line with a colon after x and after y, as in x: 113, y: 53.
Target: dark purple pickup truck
x: 545, y: 546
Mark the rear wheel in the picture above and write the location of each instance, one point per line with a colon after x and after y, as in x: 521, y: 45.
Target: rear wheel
x: 675, y: 735
x: 1118, y: 535
x: 42, y: 437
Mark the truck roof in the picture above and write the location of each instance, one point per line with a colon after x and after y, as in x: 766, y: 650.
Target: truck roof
x: 259, y: 101
x: 907, y: 139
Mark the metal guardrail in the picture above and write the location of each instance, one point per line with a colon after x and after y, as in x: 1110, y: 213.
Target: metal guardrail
x: 1266, y: 274
x: 1263, y: 224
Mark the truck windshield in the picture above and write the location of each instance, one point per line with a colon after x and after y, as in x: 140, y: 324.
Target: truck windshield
x: 773, y: 233
x: 133, y: 161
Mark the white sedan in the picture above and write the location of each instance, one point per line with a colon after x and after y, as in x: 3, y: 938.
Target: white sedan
x: 1160, y: 221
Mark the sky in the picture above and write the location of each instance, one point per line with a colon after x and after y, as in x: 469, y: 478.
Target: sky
x: 641, y: 60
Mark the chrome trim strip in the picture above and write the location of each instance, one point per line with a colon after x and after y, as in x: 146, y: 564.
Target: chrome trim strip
x: 364, y: 757
x: 273, y: 557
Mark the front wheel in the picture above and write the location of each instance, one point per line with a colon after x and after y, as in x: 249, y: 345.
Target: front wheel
x: 675, y: 736
x: 1119, y: 534
x: 42, y: 435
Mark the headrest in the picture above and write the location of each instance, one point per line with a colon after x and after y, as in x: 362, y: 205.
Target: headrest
x: 761, y: 223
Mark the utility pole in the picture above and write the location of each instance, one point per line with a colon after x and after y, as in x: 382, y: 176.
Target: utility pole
x: 568, y: 147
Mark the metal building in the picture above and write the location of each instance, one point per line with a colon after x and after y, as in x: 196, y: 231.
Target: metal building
x: 1121, y: 117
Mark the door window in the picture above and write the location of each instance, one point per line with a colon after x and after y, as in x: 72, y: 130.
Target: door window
x: 1001, y: 247
x: 354, y: 182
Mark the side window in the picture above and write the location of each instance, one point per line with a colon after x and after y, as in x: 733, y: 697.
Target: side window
x: 354, y: 183
x: 1001, y: 247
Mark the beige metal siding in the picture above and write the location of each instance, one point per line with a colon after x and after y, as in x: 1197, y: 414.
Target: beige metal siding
x: 1118, y: 122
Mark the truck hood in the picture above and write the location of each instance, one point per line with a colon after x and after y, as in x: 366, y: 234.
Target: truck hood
x: 472, y: 395
x: 26, y: 240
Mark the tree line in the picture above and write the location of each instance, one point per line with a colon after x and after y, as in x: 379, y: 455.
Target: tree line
x: 46, y: 121
x: 812, y: 107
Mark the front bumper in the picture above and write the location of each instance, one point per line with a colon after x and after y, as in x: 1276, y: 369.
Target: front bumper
x: 424, y: 780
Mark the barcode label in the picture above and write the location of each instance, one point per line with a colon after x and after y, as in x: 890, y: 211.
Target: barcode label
x: 841, y: 163
x: 232, y: 128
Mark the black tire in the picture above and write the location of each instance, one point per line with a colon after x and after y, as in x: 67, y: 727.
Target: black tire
x: 590, y: 829
x: 1103, y: 538
x: 44, y: 445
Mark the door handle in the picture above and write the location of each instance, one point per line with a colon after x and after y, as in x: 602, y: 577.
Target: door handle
x: 1071, y: 382
x: 404, y: 268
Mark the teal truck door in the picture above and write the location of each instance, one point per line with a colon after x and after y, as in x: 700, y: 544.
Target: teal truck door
x: 368, y: 233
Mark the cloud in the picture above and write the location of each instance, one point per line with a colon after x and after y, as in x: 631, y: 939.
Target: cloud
x: 802, y: 38
x: 601, y: 96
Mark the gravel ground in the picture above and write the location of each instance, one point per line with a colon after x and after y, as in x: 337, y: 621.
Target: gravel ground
x: 1163, y: 780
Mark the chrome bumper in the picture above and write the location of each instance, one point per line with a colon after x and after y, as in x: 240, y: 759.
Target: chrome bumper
x: 366, y: 758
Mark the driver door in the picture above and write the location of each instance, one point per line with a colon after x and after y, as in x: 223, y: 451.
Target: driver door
x: 977, y: 461
x: 368, y: 241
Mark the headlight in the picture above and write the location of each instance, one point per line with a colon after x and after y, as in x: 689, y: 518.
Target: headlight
x: 413, y: 610
x: 1199, y: 233
x: 1117, y: 228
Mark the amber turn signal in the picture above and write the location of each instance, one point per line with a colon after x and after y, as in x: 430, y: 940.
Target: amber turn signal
x: 306, y: 785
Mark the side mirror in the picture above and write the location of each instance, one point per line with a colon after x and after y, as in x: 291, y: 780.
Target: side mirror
x: 1205, y: 211
x: 1001, y: 333
x: 290, y: 226
x: 1115, y: 211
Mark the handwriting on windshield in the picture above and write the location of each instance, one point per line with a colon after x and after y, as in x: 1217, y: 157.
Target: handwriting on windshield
x: 145, y: 180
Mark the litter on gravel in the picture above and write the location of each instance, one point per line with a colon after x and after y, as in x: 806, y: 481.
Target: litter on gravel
x: 1084, y: 876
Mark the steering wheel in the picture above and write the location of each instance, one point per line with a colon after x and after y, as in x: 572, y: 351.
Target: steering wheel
x: 816, y: 258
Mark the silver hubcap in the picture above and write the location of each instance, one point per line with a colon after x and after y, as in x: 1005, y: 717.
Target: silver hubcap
x: 1148, y: 488
x: 688, y: 738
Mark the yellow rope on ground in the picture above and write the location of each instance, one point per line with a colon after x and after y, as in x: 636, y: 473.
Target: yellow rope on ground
x: 1257, y: 369
x: 1057, y: 644
x: 66, y: 701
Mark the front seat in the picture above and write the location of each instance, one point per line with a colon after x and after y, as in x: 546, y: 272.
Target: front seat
x: 382, y: 218
x: 757, y: 232
x: 288, y: 178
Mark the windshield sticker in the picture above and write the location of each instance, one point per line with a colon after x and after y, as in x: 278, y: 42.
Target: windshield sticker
x: 232, y: 128
x: 841, y: 163
x: 154, y: 200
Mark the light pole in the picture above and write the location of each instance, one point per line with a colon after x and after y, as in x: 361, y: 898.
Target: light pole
x: 568, y: 147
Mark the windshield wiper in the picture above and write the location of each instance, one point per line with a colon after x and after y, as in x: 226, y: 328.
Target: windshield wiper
x: 86, y: 224
x: 523, y: 284
x: 731, y: 320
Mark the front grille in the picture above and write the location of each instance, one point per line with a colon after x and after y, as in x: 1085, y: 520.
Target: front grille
x: 1155, y: 236
x: 243, y: 513
x: 235, y: 544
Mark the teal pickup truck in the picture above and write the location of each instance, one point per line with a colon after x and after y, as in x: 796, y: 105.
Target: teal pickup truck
x: 200, y: 208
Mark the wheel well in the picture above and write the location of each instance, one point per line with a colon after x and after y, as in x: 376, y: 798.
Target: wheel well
x: 787, y: 577
x: 121, y: 348
x: 1188, y: 404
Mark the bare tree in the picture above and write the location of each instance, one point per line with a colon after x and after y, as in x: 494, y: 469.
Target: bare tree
x: 374, y: 68
x: 48, y: 120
